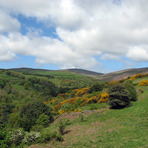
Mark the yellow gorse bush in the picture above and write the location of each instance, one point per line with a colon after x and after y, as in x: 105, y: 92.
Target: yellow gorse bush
x: 140, y: 75
x: 63, y: 95
x: 61, y: 111
x: 82, y: 91
x: 69, y: 111
x: 70, y: 101
x: 113, y: 82
x: 104, y: 97
x: 143, y: 83
x: 93, y: 99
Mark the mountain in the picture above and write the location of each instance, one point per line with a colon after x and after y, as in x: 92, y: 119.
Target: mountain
x: 85, y: 72
x: 76, y: 71
x: 122, y: 74
x: 113, y: 76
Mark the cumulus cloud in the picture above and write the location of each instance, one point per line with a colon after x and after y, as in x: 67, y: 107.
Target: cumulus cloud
x: 8, y: 23
x: 45, y: 49
x: 85, y: 29
x: 138, y: 54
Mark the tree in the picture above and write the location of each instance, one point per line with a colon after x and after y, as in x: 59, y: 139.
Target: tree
x: 31, y: 112
x: 43, y: 120
x: 119, y: 96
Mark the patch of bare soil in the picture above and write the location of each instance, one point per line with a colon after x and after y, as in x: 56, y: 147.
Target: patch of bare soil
x: 73, y: 115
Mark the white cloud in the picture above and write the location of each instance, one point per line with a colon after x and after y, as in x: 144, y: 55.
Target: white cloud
x: 45, y: 49
x: 109, y: 56
x: 8, y: 23
x: 138, y: 54
x: 86, y: 29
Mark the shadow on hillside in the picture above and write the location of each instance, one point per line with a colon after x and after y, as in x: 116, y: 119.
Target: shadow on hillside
x: 66, y: 132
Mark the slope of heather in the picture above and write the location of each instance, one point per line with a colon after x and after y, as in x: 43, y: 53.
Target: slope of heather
x: 113, y: 76
x: 122, y: 74
x: 84, y: 72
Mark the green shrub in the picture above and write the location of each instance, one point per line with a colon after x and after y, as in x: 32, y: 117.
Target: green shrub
x: 43, y: 120
x: 4, y: 138
x: 27, y: 85
x: 14, y: 119
x: 62, y: 123
x: 17, y: 136
x: 48, y: 136
x: 31, y: 137
x: 119, y: 96
x: 132, y: 91
x: 30, y: 113
x: 66, y: 107
x: 82, y: 117
x: 96, y: 87
x: 37, y: 128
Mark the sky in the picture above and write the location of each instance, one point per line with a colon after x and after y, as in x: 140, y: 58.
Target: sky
x: 98, y: 35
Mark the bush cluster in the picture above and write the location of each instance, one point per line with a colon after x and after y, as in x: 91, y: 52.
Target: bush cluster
x: 121, y: 95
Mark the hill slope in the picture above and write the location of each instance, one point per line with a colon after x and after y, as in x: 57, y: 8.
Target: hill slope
x: 122, y: 74
x: 106, y: 127
x: 103, y: 77
x: 76, y: 71
x: 84, y: 72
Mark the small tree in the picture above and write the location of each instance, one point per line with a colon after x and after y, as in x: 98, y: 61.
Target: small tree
x: 62, y: 123
x: 43, y: 120
x: 119, y: 96
x: 31, y: 112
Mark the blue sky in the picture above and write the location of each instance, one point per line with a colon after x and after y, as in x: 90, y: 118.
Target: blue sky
x: 102, y: 35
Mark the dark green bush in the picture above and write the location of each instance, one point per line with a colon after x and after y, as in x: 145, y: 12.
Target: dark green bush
x: 119, y: 96
x: 132, y: 91
x: 37, y: 128
x: 96, y: 87
x: 43, y: 120
x: 31, y: 112
x: 4, y: 138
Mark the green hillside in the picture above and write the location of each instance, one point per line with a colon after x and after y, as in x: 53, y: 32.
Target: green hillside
x: 106, y: 127
x: 40, y: 108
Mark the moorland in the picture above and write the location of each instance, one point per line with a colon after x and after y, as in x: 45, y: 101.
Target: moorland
x: 73, y: 108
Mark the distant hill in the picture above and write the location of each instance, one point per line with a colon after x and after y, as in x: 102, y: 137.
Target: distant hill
x: 122, y: 74
x: 104, y: 77
x: 85, y: 72
x: 24, y: 69
x: 76, y: 71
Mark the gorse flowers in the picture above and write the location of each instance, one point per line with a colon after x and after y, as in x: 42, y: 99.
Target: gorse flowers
x: 70, y: 102
x: 140, y: 75
x: 143, y: 83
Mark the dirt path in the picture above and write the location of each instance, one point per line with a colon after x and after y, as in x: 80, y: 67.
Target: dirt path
x: 76, y: 114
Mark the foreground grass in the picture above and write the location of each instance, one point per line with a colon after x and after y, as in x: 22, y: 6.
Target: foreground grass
x: 108, y: 128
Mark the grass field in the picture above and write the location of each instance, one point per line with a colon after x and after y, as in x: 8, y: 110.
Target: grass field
x: 107, y: 128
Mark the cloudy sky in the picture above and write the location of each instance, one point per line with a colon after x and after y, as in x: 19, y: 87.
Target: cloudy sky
x: 99, y: 35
